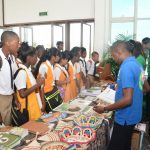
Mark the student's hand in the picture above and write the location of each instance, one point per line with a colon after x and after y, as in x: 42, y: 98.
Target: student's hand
x: 43, y: 107
x: 98, y: 109
x: 67, y: 80
x: 18, y: 105
x: 40, y: 81
x: 78, y: 90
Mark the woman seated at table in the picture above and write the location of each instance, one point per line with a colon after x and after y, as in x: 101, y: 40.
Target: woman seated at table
x: 26, y: 84
x: 62, y: 78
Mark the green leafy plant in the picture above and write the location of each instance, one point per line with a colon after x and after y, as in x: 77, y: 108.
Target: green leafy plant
x: 122, y: 37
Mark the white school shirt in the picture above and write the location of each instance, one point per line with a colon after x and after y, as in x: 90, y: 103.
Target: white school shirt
x: 21, y: 80
x: 77, y: 67
x: 90, y: 67
x: 43, y: 70
x: 57, y: 72
x: 83, y: 66
x: 5, y: 74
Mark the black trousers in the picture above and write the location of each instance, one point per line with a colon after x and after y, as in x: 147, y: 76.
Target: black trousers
x: 121, y: 137
x: 148, y: 101
x: 148, y: 106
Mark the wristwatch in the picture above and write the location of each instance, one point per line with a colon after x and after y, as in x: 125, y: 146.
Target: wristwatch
x: 105, y: 110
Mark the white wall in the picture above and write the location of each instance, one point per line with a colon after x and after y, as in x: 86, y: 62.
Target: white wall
x: 101, y: 36
x: 1, y: 14
x: 26, y: 11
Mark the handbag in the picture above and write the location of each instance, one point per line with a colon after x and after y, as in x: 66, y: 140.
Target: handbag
x: 53, y: 99
x: 18, y: 117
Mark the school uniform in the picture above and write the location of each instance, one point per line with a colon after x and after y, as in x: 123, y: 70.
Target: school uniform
x: 61, y: 74
x: 72, y: 75
x: 34, y: 101
x: 78, y: 74
x: 91, y: 67
x: 83, y: 66
x: 7, y: 71
x: 46, y: 70
x: 51, y: 92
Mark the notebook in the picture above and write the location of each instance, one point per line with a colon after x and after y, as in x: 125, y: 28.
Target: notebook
x: 108, y: 95
x: 9, y: 140
x: 19, y: 131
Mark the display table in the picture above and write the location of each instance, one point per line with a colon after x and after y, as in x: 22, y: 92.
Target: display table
x: 82, y: 107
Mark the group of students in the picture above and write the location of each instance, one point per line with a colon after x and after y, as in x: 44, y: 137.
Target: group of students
x: 36, y: 75
x: 46, y: 78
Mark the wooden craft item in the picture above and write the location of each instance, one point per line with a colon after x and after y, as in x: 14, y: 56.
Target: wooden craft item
x: 35, y: 127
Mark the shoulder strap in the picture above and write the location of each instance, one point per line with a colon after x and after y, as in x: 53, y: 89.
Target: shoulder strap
x: 16, y: 73
x: 82, y: 62
x: 62, y: 71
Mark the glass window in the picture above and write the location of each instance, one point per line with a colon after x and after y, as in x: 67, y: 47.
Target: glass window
x: 122, y: 8
x: 87, y: 38
x: 1, y: 31
x: 58, y: 34
x: 143, y: 29
x: 143, y: 8
x: 42, y: 35
x: 16, y: 29
x: 26, y: 35
x: 121, y: 28
x: 75, y: 34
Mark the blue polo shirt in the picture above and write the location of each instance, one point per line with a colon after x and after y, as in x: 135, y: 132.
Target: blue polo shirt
x: 131, y: 75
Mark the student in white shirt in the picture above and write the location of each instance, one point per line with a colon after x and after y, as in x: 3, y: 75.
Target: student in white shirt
x: 83, y: 65
x: 45, y: 68
x: 91, y: 66
x: 62, y: 78
x: 9, y: 46
x: 28, y: 87
x: 82, y: 61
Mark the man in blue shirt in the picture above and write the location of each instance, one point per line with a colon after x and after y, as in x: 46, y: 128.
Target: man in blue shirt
x: 128, y: 98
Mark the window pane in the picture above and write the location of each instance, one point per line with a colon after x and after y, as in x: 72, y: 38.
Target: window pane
x: 26, y: 35
x: 57, y: 34
x: 142, y: 29
x: 1, y: 31
x: 42, y: 35
x: 121, y: 28
x: 16, y: 29
x: 122, y: 8
x: 92, y: 36
x: 86, y: 38
x: 143, y: 8
x: 75, y: 34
